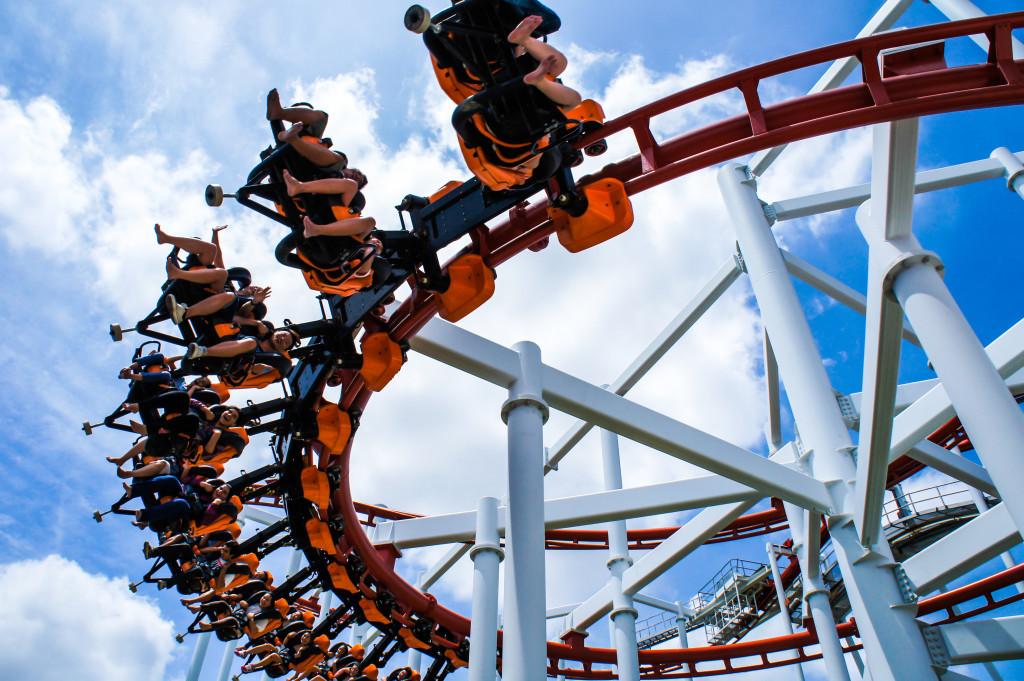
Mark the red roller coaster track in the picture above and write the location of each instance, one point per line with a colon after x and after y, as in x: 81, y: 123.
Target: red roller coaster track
x: 880, y: 97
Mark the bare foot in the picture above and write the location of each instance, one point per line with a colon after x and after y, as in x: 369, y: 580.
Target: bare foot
x: 219, y: 227
x: 122, y: 473
x: 137, y: 427
x: 173, y: 271
x: 274, y: 110
x: 310, y: 228
x: 127, y: 488
x: 129, y: 406
x: 291, y: 184
x: 161, y: 237
x: 291, y: 133
x: 113, y: 459
x: 526, y: 27
x: 542, y: 70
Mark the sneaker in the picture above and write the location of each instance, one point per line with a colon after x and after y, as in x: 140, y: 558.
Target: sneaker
x: 195, y: 350
x: 177, y: 311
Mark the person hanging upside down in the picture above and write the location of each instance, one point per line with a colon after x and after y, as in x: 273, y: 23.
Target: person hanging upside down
x: 205, y: 264
x: 357, y: 229
x: 280, y: 341
x: 552, y: 63
x: 308, y: 123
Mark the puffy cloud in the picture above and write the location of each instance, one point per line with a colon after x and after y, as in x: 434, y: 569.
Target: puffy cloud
x: 62, y: 622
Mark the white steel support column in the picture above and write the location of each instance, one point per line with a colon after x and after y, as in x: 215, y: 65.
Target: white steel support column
x: 486, y: 555
x: 984, y: 404
x: 807, y: 547
x: 198, y: 656
x: 955, y: 10
x: 622, y: 622
x: 780, y: 593
x: 524, y: 640
x: 894, y: 644
x: 226, y: 661
x: 1014, y: 170
x: 894, y: 159
x: 682, y: 619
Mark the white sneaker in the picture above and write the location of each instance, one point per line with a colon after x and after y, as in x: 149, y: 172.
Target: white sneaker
x: 195, y: 351
x: 177, y: 311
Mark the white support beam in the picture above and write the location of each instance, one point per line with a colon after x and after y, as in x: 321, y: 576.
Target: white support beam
x: 965, y: 548
x: 773, y: 429
x: 835, y: 289
x: 894, y: 159
x: 991, y: 640
x: 442, y: 566
x: 492, y: 362
x: 926, y: 181
x: 906, y: 394
x: 956, y: 10
x: 680, y: 544
x: 585, y: 509
x: 838, y: 72
x: 953, y: 465
x: 662, y: 604
x: 712, y: 290
x: 922, y: 418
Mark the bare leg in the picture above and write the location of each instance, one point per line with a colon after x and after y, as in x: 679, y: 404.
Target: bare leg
x: 151, y: 469
x: 204, y: 250
x: 216, y: 277
x: 537, y: 49
x: 209, y: 305
x: 215, y: 240
x: 333, y: 185
x: 560, y: 94
x: 293, y: 114
x: 319, y: 155
x: 139, y: 447
x: 359, y: 227
x: 231, y: 348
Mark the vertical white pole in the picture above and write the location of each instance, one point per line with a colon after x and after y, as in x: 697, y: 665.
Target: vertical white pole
x: 983, y: 403
x: 622, y: 622
x: 325, y: 605
x: 524, y: 641
x: 486, y: 555
x: 895, y: 645
x: 226, y: 661
x: 780, y: 594
x: 198, y: 656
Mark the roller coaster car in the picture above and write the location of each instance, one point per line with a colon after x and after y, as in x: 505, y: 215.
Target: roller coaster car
x: 511, y: 135
x: 329, y: 263
x: 250, y: 370
x: 468, y: 46
x: 187, y: 293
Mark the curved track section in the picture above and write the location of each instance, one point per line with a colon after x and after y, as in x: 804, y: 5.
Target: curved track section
x: 887, y: 92
x: 879, y: 98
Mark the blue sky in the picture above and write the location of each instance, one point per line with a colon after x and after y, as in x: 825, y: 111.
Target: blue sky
x: 115, y: 116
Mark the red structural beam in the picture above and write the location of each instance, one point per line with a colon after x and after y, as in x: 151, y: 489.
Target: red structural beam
x: 997, y: 82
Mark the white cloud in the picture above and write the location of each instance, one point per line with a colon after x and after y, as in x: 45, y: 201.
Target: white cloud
x: 62, y: 622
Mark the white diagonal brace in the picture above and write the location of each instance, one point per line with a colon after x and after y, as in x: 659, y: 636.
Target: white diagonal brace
x: 906, y: 394
x: 987, y: 640
x: 965, y: 548
x: 838, y: 72
x: 717, y: 285
x: 648, y: 427
x: 681, y: 543
x: 493, y: 362
x: 922, y: 418
x: 892, y: 208
x: 442, y: 566
x: 835, y: 289
x: 584, y: 509
x: 953, y: 465
x: 956, y: 10
x: 926, y: 181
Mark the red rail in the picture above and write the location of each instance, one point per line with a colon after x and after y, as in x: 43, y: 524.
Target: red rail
x: 997, y: 82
